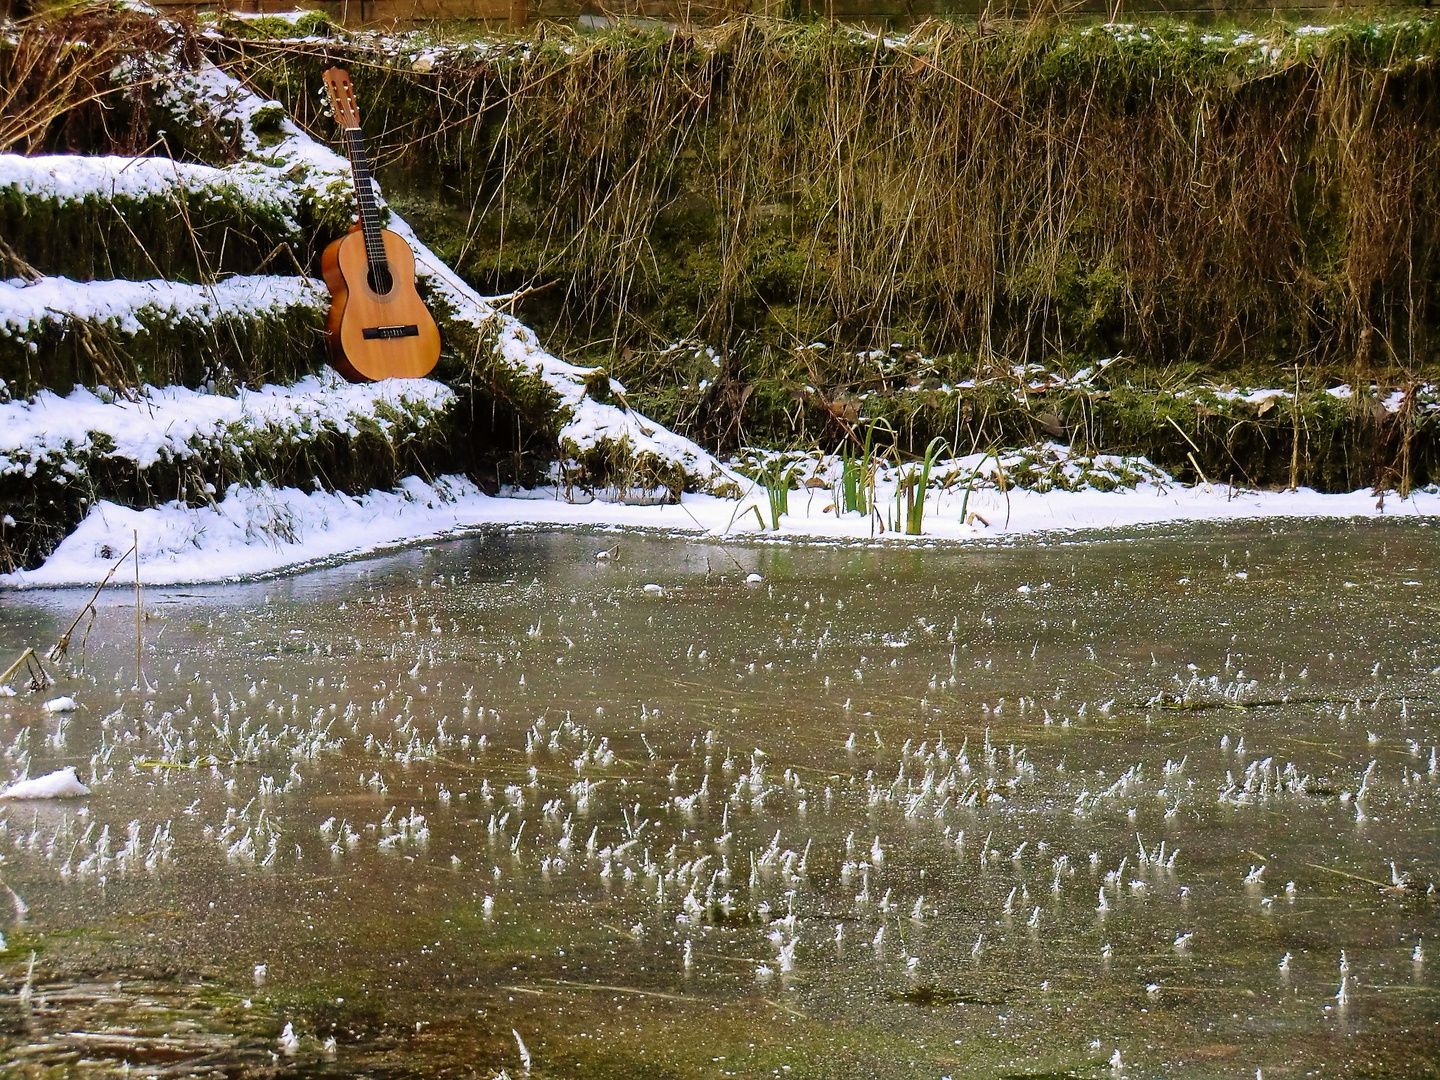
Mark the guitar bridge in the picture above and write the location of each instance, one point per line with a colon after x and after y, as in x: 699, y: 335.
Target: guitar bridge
x: 381, y: 333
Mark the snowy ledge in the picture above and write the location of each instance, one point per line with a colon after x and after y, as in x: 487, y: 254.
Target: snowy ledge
x: 70, y: 178
x: 133, y: 307
x: 1275, y: 47
x: 173, y: 423
x: 254, y: 532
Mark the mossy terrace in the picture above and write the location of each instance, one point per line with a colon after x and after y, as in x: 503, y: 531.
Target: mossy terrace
x: 195, y: 265
x: 1219, y: 206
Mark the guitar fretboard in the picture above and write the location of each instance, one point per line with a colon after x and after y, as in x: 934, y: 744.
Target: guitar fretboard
x: 369, y: 216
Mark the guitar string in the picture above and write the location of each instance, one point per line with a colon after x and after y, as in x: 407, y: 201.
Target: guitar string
x: 365, y: 200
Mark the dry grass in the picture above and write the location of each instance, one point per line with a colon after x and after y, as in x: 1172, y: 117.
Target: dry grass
x: 55, y: 73
x: 1010, y: 190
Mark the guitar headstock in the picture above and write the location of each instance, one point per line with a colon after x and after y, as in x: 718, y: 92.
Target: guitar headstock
x: 342, y: 98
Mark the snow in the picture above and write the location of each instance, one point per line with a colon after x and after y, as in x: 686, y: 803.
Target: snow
x: 61, y: 705
x: 293, y: 16
x: 60, y: 784
x: 1251, y: 397
x: 67, y: 178
x: 208, y: 94
x: 592, y: 422
x: 174, y: 422
x: 125, y: 305
x: 1426, y: 395
x: 259, y: 531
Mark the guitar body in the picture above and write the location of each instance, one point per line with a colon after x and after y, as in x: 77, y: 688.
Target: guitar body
x: 374, y: 335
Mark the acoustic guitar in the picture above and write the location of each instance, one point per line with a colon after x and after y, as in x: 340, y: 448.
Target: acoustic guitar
x: 378, y: 328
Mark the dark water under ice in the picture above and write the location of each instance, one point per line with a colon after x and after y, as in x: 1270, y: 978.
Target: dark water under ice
x: 856, y: 820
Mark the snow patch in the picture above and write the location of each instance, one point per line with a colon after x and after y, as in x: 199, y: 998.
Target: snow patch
x: 60, y: 784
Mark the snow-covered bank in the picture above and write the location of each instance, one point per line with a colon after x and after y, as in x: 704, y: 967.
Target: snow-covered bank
x: 258, y: 531
x: 132, y: 307
x: 173, y: 422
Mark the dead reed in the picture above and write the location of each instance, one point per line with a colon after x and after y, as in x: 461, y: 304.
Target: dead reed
x: 55, y: 70
x: 1011, y: 191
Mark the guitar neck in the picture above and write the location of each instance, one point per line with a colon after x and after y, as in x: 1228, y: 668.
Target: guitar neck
x: 365, y: 198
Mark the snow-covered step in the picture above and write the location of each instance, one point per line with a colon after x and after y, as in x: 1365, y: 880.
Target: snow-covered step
x: 58, y: 333
x: 57, y: 454
x: 90, y: 217
x: 173, y: 422
x: 65, y: 179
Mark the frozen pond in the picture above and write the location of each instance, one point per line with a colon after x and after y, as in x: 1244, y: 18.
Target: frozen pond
x: 1153, y: 804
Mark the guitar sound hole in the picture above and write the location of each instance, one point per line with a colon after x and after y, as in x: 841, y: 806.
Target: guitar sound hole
x: 379, y: 280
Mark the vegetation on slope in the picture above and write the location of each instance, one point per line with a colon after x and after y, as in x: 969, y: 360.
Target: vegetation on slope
x: 1217, y: 206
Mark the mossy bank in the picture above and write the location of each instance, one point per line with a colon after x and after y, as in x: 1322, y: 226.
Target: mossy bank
x: 1217, y: 206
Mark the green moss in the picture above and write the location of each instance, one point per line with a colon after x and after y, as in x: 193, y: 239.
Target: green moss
x: 179, y: 237
x: 267, y: 123
x: 231, y: 351
x: 272, y: 27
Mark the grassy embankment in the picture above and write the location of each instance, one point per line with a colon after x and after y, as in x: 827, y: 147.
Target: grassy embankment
x: 837, y: 228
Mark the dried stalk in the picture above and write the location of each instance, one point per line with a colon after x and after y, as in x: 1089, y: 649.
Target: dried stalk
x: 30, y: 660
x: 63, y: 645
x: 1011, y: 193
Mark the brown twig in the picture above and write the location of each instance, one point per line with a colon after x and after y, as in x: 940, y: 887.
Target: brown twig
x: 63, y: 644
x: 39, y: 679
